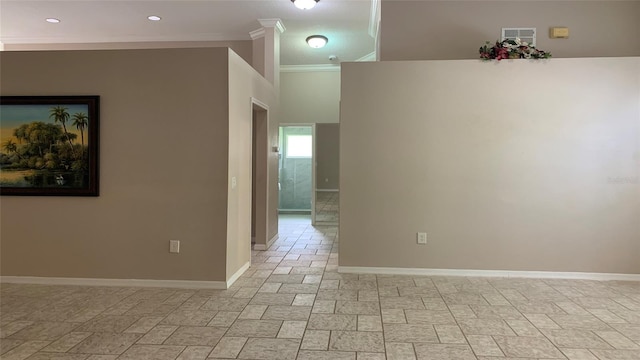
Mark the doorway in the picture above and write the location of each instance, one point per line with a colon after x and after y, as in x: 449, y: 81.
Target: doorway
x: 296, y: 170
x: 259, y: 174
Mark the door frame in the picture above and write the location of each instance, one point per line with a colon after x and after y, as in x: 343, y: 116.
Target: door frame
x: 313, y: 164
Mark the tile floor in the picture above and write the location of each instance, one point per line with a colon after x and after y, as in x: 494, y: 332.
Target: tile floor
x: 292, y: 304
x: 327, y: 207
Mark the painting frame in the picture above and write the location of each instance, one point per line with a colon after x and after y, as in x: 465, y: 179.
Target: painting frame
x: 57, y: 166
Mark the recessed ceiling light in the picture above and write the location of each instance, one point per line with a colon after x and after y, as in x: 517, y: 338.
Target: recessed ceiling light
x: 304, y: 4
x: 52, y: 20
x: 317, y: 41
x: 154, y: 18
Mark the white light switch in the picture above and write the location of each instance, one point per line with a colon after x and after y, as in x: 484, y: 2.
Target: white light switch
x: 234, y: 182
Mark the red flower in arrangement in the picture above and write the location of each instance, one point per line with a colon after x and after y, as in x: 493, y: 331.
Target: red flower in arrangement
x: 511, y: 49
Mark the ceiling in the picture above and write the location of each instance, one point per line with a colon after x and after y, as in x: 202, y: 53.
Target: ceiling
x: 345, y: 22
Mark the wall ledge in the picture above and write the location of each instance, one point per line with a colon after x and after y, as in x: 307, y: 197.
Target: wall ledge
x: 179, y: 284
x: 489, y: 273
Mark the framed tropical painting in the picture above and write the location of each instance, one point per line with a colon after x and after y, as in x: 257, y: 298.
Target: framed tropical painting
x: 49, y: 145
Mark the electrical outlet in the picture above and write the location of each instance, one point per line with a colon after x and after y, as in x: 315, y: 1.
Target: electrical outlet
x: 174, y: 246
x: 422, y: 238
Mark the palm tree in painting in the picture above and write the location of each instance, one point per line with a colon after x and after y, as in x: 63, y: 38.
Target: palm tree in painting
x: 61, y: 115
x: 80, y: 121
x: 11, y: 147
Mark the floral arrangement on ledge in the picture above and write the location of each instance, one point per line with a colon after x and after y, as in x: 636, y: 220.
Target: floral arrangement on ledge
x: 511, y: 49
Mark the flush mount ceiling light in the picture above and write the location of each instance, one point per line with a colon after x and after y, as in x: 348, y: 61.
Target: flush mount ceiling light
x: 52, y: 20
x: 304, y: 4
x: 154, y: 18
x: 317, y: 41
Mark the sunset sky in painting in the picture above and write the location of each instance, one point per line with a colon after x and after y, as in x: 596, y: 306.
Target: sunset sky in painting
x: 12, y: 116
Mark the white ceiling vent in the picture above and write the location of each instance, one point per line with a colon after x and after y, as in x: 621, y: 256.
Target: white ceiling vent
x: 527, y: 35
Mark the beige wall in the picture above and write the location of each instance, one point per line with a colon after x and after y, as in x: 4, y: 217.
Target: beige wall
x: 163, y: 168
x: 512, y: 166
x: 244, y: 48
x: 327, y: 156
x: 245, y: 83
x: 440, y: 30
x: 310, y: 97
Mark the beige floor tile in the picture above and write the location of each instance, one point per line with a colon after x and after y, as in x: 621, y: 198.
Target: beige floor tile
x: 485, y: 327
x: 315, y: 340
x: 357, y: 307
x: 400, y: 351
x: 580, y: 322
x: 277, y: 312
x: 224, y: 318
x: 617, y: 354
x: 25, y: 350
x: 195, y: 353
x: 426, y: 351
x: 254, y: 328
x: 304, y: 300
x: 325, y: 355
x: 225, y: 304
x: 151, y: 352
x: 464, y: 298
x: 576, y: 339
x: 8, y: 344
x: 483, y: 345
x: 578, y: 354
x: 393, y: 316
x: 523, y: 328
x: 332, y: 322
x: 429, y: 317
x: 270, y: 349
x: 144, y: 324
x: 254, y: 312
x: 401, y: 303
x: 228, y: 347
x: 292, y: 329
x: 272, y: 299
x: 189, y: 317
x: 356, y: 341
x: 106, y: 343
x: 369, y: 323
x: 450, y: 334
x: 102, y: 357
x: 370, y: 356
x: 67, y: 342
x: 195, y: 336
x: 332, y: 294
x: 324, y: 307
x: 44, y: 331
x: 617, y: 340
x: 157, y: 335
x: 57, y: 356
x: 534, y: 347
x: 541, y: 321
x: 410, y: 333
x: 504, y: 312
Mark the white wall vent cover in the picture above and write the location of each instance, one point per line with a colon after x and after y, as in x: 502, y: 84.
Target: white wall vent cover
x: 527, y: 35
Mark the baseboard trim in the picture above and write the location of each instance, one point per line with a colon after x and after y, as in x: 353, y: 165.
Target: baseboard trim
x: 237, y: 274
x: 263, y: 247
x: 180, y: 284
x: 327, y: 190
x: 489, y: 273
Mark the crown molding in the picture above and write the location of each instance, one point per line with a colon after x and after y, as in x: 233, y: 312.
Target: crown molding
x: 273, y: 23
x: 124, y: 39
x: 374, y: 18
x: 369, y: 57
x: 257, y: 34
x: 309, y: 68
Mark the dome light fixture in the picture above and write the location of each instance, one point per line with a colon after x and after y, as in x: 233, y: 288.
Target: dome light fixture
x: 317, y: 41
x: 304, y: 4
x: 52, y: 20
x: 154, y: 18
